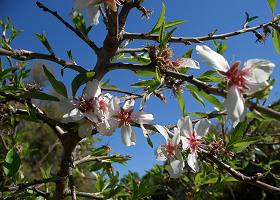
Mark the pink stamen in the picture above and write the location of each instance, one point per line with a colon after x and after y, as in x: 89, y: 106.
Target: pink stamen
x: 170, y: 149
x: 238, y: 77
x: 86, y: 104
x: 124, y: 116
x: 194, y: 142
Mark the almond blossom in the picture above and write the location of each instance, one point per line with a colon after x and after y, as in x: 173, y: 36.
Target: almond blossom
x: 252, y: 78
x: 92, y: 8
x: 171, y: 152
x: 192, y: 138
x: 123, y: 117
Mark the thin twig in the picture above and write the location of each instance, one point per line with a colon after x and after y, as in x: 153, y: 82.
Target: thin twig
x: 199, y: 84
x: 87, y: 195
x: 189, y: 40
x: 75, y: 30
x: 24, y: 186
x: 21, y: 54
x: 99, y: 159
x: 253, y: 180
x: 51, y: 148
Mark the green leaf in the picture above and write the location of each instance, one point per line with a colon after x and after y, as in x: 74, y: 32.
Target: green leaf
x: 181, y: 104
x: 237, y: 133
x: 272, y: 5
x: 166, y: 38
x: 198, y: 98
x: 99, y: 184
x: 14, y: 34
x: 208, y: 77
x: 243, y: 144
x: 69, y: 53
x: 81, y: 79
x: 145, y: 73
x: 107, y: 85
x: 38, y: 95
x: 12, y: 163
x: 149, y: 141
x: 210, y: 98
x: 145, y: 83
x: 168, y: 25
x: 138, y: 58
x: 4, y: 73
x: 160, y: 21
x: 161, y: 35
x: 100, y: 151
x: 80, y: 24
x: 220, y: 47
x: 42, y: 37
x: 276, y: 40
x: 58, y: 86
x: 188, y: 54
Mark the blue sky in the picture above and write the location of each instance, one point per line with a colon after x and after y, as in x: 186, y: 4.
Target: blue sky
x: 202, y: 17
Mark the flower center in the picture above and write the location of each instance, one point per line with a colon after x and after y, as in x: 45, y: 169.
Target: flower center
x: 124, y: 116
x: 102, y: 104
x: 170, y: 149
x: 194, y: 142
x: 86, y: 104
x: 238, y: 77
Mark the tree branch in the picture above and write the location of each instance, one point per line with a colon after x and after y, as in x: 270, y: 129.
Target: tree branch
x: 99, y: 159
x: 87, y: 195
x: 189, y: 40
x: 21, y: 54
x: 199, y: 84
x: 85, y: 38
x: 253, y: 180
x: 24, y: 186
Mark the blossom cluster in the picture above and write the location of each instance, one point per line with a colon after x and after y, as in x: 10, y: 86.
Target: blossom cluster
x: 185, y: 139
x: 104, y: 113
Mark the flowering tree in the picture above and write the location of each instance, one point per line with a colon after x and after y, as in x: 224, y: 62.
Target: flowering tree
x: 195, y: 153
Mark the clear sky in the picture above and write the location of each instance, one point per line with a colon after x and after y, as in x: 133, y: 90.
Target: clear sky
x: 202, y: 17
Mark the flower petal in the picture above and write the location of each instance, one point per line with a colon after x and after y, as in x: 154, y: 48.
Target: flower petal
x: 162, y: 131
x: 185, y: 126
x: 92, y: 89
x: 235, y: 106
x: 85, y: 130
x: 74, y: 114
x: 176, y: 168
x: 66, y: 105
x: 160, y: 156
x: 176, y: 137
x: 202, y: 127
x: 128, y: 104
x: 212, y: 58
x: 260, y: 70
x: 185, y: 143
x: 188, y: 62
x: 128, y: 136
x: 142, y: 117
x: 104, y: 129
x: 93, y: 14
x: 192, y: 161
x: 80, y: 4
x: 91, y: 116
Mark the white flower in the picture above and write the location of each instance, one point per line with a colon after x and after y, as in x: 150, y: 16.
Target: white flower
x: 84, y: 106
x: 253, y: 77
x: 92, y: 8
x: 123, y: 116
x: 191, y: 138
x: 171, y: 152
